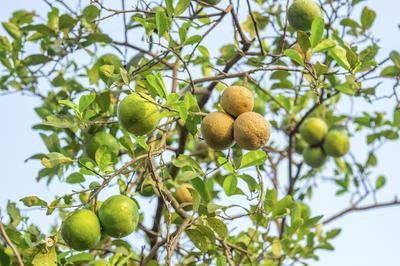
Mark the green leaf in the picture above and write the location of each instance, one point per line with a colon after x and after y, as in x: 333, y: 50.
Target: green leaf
x: 221, y: 261
x: 33, y: 201
x: 251, y: 182
x: 303, y: 41
x: 295, y: 56
x: 253, y: 158
x: 282, y: 206
x: 390, y: 71
x: 395, y: 57
x: 218, y: 226
x: 201, y: 188
x: 86, y: 100
x: 367, y: 18
x: 161, y: 22
x: 14, y: 213
x: 66, y: 22
x: 230, y: 185
x: 98, y: 38
x: 317, y: 31
x: 396, y: 118
x: 81, y: 257
x: 75, y: 178
x: 193, y: 39
x: 324, y: 46
x: 380, y: 182
x: 312, y: 221
x: 339, y: 55
x: 349, y: 23
x: 12, y: 29
x: 181, y: 7
x: 60, y: 121
x: 198, y: 239
x: 54, y: 159
x: 156, y: 82
x: 91, y: 12
x: 36, y: 59
x: 271, y: 196
x: 185, y: 161
x: 45, y: 259
x: 141, y: 141
x: 170, y: 8
x: 212, y: 207
x: 333, y: 233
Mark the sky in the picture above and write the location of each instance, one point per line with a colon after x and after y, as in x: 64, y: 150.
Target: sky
x: 368, y: 238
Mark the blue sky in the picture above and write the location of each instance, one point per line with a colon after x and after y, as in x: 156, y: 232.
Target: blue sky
x: 368, y: 238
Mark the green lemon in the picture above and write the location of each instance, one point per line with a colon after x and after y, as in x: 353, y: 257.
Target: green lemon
x: 81, y: 230
x: 101, y: 139
x: 119, y: 216
x: 138, y: 114
x: 302, y: 13
x: 314, y: 156
x: 336, y: 143
x: 313, y: 130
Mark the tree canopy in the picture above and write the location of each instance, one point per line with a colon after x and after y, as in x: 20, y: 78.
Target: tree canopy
x: 175, y: 59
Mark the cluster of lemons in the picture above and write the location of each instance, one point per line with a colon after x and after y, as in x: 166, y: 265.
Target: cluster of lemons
x: 323, y: 142
x: 117, y: 217
x: 238, y: 123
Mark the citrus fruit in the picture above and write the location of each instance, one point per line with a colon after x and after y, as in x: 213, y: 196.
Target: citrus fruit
x: 119, y: 216
x: 314, y: 156
x: 138, y: 114
x: 217, y: 130
x: 336, y: 143
x: 251, y: 131
x: 81, y: 230
x: 313, y: 130
x: 302, y: 13
x: 101, y: 139
x: 237, y: 100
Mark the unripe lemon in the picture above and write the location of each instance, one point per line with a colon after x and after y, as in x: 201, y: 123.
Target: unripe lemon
x: 336, y: 143
x: 313, y: 130
x: 251, y: 131
x: 101, y: 139
x: 217, y: 130
x: 237, y: 100
x: 119, y: 216
x: 138, y: 114
x: 81, y: 230
x: 302, y: 13
x: 314, y: 156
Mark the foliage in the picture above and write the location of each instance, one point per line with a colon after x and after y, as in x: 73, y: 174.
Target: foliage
x: 175, y: 52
